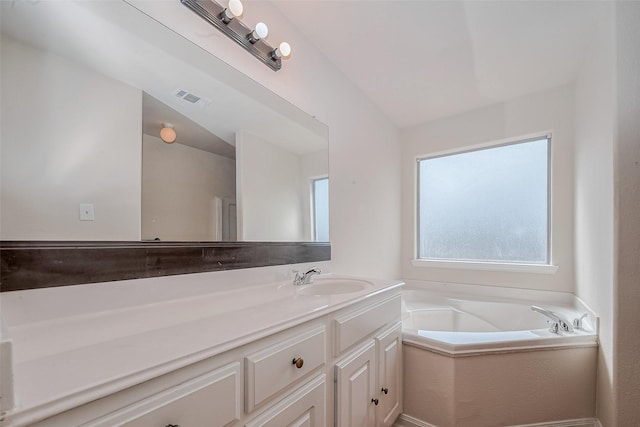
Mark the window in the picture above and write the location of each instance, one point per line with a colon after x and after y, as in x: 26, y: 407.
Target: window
x: 486, y: 205
x: 320, y: 198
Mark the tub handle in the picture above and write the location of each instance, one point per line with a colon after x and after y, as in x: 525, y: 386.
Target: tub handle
x: 578, y: 323
x: 385, y: 390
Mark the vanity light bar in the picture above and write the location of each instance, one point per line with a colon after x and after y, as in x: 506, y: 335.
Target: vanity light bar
x: 215, y: 14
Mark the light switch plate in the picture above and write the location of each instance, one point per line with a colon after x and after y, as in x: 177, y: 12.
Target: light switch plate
x: 86, y: 212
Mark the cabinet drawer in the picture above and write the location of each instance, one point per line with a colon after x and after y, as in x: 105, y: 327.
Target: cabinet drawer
x: 270, y: 370
x: 353, y: 327
x: 302, y: 407
x: 212, y: 399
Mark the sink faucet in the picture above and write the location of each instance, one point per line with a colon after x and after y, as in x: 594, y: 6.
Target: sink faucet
x: 556, y: 322
x: 305, y: 278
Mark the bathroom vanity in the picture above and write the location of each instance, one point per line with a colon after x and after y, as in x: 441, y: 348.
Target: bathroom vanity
x: 263, y: 355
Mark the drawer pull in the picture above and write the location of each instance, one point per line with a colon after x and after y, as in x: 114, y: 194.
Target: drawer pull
x: 172, y: 425
x: 375, y: 401
x: 385, y: 390
x: 298, y: 361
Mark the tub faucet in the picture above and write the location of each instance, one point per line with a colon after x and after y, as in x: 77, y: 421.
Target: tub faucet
x: 556, y: 322
x: 305, y: 278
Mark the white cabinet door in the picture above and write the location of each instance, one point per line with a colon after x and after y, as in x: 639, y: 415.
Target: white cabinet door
x: 389, y: 390
x: 303, y: 407
x: 210, y: 400
x: 355, y: 396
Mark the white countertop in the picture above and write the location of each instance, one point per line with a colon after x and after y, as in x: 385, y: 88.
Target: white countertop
x: 60, y: 363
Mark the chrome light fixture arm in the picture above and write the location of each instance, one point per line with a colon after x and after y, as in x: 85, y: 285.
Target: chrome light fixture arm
x: 236, y: 30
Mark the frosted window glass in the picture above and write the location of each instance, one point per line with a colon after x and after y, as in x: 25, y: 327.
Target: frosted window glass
x: 321, y: 210
x: 485, y: 205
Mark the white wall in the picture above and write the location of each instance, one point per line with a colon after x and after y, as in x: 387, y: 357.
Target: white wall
x: 52, y: 107
x: 548, y: 111
x: 594, y: 233
x: 270, y: 194
x: 627, y: 214
x: 180, y: 185
x: 363, y: 155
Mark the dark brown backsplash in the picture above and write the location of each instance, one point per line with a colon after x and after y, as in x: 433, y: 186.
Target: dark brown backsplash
x: 43, y: 264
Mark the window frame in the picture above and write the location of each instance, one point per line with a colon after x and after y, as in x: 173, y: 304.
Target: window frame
x: 548, y: 267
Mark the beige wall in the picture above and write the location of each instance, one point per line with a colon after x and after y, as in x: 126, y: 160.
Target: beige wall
x: 270, y: 193
x: 594, y: 234
x: 548, y: 111
x: 52, y: 107
x: 627, y: 215
x: 180, y: 185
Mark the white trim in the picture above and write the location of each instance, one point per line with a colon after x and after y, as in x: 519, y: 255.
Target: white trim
x: 424, y: 343
x: 486, y: 266
x: 578, y: 422
x: 488, y: 144
x: 405, y: 420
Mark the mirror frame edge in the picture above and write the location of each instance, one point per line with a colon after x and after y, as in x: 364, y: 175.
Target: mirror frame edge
x: 44, y: 264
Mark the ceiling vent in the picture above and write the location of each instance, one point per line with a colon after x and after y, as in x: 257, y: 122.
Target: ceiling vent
x: 191, y: 98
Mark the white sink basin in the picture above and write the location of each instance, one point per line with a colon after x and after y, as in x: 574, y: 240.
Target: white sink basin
x: 333, y: 287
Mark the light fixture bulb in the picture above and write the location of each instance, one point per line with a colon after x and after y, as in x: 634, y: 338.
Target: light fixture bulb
x: 261, y: 31
x: 282, y: 51
x: 167, y: 134
x: 285, y: 49
x: 235, y: 7
x: 233, y: 10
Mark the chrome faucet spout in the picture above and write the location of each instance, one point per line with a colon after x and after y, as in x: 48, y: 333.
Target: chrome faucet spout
x: 305, y: 278
x: 556, y: 321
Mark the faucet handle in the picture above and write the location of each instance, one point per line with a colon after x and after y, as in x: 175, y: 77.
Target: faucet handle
x: 297, y: 277
x: 578, y: 323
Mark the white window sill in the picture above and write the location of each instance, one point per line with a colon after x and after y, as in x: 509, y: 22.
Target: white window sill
x: 486, y: 266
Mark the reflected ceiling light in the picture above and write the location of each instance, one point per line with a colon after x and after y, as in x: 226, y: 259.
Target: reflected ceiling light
x: 233, y: 10
x: 282, y: 51
x: 226, y: 19
x: 167, y: 134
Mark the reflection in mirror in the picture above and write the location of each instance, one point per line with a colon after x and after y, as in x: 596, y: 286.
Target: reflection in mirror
x: 188, y: 184
x: 86, y: 88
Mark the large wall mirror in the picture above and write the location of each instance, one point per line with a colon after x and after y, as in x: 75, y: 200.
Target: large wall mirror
x: 87, y: 88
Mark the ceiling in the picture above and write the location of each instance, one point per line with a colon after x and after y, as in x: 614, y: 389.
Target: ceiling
x: 423, y: 60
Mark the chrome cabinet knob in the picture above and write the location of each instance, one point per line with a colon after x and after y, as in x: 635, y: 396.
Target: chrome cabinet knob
x: 385, y: 390
x: 375, y: 401
x: 298, y: 361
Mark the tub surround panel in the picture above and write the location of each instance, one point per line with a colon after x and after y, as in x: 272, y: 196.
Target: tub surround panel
x: 499, y: 389
x: 41, y: 264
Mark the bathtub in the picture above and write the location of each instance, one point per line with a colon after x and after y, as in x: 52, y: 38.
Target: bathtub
x: 455, y: 321
x: 479, y: 356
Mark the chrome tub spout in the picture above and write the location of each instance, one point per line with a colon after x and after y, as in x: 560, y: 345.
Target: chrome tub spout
x: 556, y: 321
